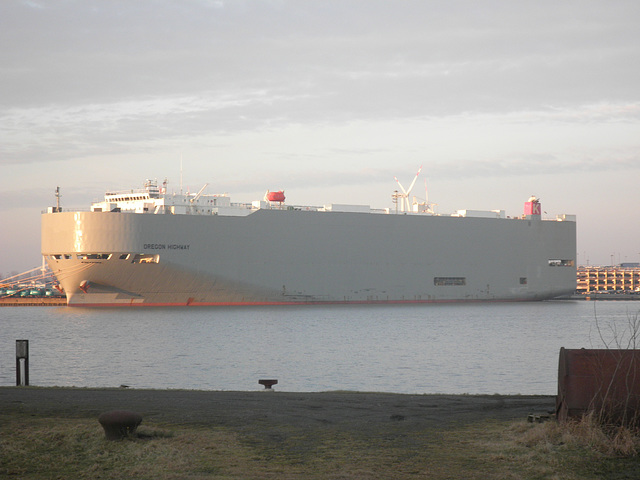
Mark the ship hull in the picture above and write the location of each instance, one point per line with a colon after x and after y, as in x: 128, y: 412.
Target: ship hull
x: 300, y: 257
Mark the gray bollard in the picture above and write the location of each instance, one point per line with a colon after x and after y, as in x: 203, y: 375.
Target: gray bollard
x: 22, y: 363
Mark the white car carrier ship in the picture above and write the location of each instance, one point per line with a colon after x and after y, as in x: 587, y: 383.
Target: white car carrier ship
x: 148, y: 247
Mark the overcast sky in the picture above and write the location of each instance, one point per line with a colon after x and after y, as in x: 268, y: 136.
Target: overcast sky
x: 329, y: 100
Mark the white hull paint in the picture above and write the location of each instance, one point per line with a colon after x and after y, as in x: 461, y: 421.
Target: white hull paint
x: 277, y: 256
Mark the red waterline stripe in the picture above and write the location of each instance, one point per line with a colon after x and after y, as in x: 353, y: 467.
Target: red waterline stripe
x: 342, y: 302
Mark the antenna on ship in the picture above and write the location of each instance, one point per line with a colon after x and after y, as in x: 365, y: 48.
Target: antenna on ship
x: 426, y: 206
x: 180, y: 174
x: 58, y: 195
x: 394, y: 198
x: 426, y: 192
x: 404, y: 198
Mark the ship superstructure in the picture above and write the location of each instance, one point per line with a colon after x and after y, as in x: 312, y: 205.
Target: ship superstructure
x: 148, y: 247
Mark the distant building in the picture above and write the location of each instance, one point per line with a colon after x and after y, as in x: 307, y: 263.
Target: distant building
x: 623, y: 278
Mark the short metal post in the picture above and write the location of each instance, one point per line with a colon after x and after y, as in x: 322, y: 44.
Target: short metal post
x: 268, y: 383
x: 22, y: 363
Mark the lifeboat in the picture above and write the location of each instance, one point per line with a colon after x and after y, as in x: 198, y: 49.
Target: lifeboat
x: 275, y: 196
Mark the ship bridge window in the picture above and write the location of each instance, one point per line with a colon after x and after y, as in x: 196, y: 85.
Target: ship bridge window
x: 146, y: 258
x: 125, y: 256
x: 449, y: 281
x: 556, y: 262
x: 94, y: 256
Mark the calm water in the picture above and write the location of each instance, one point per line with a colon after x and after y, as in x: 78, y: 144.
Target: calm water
x: 480, y: 348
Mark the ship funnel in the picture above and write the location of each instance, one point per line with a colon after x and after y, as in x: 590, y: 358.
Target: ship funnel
x: 532, y: 207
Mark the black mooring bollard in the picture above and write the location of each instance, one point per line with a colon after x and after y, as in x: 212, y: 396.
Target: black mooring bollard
x: 118, y: 424
x: 22, y: 363
x: 267, y: 383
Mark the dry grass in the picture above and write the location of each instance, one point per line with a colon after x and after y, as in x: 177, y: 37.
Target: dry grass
x: 44, y: 448
x: 587, y: 432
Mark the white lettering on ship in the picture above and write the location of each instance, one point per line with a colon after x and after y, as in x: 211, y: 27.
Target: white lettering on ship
x: 162, y: 246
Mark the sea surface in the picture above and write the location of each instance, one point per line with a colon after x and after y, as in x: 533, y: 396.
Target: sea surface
x: 505, y: 348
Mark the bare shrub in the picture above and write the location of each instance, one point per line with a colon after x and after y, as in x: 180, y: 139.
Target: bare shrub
x: 617, y: 401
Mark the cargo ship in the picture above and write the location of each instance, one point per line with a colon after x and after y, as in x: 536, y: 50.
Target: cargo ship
x: 148, y: 247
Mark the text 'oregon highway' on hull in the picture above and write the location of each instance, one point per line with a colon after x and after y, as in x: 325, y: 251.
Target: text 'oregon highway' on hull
x: 150, y: 248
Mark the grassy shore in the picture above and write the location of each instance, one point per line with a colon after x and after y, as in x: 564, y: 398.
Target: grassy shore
x: 54, y: 433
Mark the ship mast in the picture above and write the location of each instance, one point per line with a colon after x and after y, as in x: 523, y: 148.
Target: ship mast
x: 58, y: 195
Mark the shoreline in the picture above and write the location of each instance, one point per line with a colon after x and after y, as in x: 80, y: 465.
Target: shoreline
x: 33, y: 302
x: 55, y: 433
x: 353, y: 411
x: 62, y: 302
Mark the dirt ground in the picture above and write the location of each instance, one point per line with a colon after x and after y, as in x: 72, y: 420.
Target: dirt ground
x: 270, y: 411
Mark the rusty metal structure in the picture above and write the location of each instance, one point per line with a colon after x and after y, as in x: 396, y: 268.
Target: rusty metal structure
x: 605, y: 382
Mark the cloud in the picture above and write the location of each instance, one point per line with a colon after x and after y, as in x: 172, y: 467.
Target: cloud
x: 33, y: 4
x: 477, y: 87
x: 439, y: 55
x: 66, y: 131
